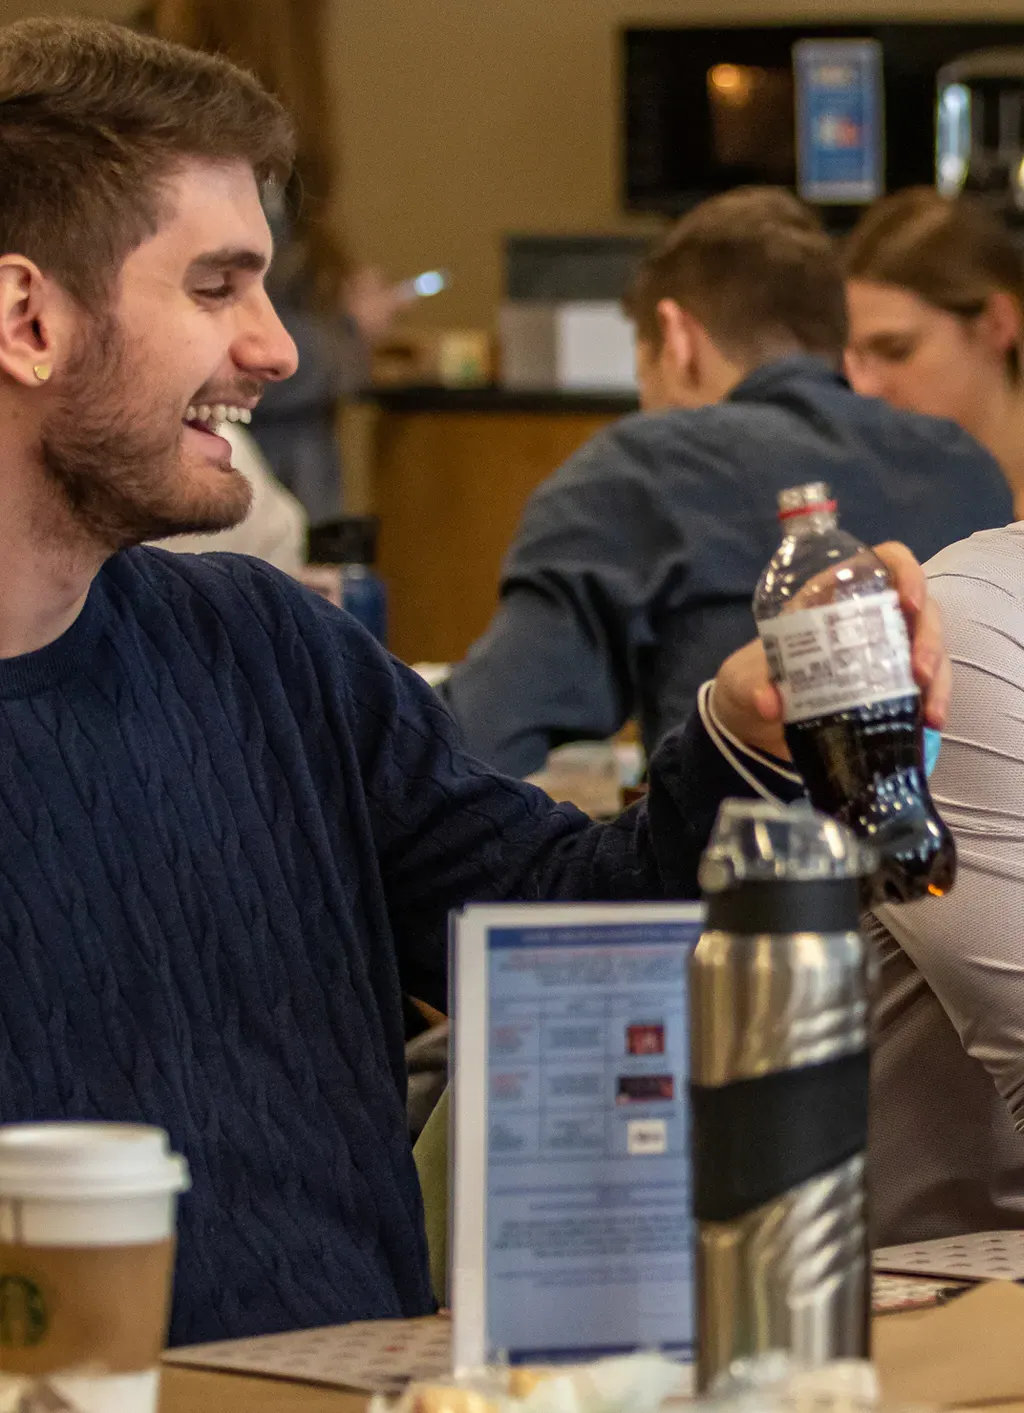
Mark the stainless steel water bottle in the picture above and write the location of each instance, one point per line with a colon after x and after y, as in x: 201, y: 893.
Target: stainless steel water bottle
x: 779, y: 1089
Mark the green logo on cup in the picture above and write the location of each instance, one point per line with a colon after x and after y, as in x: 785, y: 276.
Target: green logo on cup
x: 23, y: 1318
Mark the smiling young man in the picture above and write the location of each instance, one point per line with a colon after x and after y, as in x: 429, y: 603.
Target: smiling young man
x: 231, y: 827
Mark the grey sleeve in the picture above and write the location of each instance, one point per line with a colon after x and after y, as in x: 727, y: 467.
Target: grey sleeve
x: 968, y: 946
x: 559, y: 660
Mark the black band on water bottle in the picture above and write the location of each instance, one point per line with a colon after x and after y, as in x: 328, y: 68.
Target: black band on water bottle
x: 786, y: 905
x: 756, y: 1139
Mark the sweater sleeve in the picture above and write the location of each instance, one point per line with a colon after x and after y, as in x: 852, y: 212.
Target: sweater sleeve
x: 449, y: 830
x: 438, y: 829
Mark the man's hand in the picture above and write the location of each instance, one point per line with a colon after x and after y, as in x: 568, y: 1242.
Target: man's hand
x: 375, y: 303
x: 746, y: 703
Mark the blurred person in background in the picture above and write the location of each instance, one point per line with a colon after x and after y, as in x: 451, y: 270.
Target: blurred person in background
x: 632, y: 571
x: 935, y: 290
x: 334, y: 311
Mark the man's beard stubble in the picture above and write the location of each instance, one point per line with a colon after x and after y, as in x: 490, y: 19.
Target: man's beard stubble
x: 118, y: 463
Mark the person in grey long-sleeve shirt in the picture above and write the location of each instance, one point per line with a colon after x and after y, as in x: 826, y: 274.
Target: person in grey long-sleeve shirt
x: 946, y: 1148
x: 631, y: 575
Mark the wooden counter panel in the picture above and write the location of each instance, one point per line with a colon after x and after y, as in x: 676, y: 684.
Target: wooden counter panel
x: 201, y: 1391
x: 450, y: 489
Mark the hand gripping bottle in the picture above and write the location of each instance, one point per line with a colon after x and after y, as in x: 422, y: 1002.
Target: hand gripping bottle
x: 837, y: 648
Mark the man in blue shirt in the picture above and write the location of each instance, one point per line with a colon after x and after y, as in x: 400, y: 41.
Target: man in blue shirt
x: 630, y: 578
x: 231, y: 827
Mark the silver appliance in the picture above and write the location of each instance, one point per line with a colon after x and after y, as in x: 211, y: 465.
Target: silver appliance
x: 980, y: 127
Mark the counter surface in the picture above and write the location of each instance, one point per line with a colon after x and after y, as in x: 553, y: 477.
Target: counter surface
x: 498, y: 399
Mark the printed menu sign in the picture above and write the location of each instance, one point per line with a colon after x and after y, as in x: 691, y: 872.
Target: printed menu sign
x: 572, y: 1226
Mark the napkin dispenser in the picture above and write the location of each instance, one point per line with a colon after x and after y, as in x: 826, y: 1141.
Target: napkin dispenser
x: 579, y: 345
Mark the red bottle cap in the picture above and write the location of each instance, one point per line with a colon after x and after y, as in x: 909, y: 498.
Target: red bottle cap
x: 814, y: 508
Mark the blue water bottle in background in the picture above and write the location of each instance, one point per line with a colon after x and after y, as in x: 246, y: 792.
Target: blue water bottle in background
x: 350, y: 542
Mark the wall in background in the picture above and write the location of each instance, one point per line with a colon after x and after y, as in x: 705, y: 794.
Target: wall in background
x: 21, y: 9
x: 463, y: 119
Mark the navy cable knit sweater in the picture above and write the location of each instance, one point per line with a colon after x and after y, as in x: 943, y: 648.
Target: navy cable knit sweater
x: 231, y: 828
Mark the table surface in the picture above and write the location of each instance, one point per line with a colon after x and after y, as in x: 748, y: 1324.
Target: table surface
x: 196, y: 1391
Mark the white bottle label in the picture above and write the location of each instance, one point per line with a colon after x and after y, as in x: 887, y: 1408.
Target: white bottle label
x: 842, y: 655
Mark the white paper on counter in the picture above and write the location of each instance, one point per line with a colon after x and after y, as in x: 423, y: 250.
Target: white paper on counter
x: 985, y: 1256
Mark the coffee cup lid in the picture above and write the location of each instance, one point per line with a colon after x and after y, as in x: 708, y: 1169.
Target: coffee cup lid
x: 82, y: 1161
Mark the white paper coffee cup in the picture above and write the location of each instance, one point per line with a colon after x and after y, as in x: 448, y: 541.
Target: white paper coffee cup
x: 87, y: 1219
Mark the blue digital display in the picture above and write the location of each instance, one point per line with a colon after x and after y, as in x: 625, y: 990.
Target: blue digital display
x: 840, y: 120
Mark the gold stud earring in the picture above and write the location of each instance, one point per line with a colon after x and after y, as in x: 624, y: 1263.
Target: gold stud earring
x: 42, y: 371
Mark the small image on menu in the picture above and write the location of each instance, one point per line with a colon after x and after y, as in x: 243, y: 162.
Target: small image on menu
x: 644, y: 1088
x: 645, y: 1040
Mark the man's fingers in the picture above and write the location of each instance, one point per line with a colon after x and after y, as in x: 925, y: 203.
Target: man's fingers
x: 751, y: 707
x: 932, y: 670
x: 936, y: 708
x: 928, y: 650
x: 908, y: 577
x: 768, y: 703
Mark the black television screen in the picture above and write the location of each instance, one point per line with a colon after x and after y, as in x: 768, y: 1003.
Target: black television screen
x: 706, y: 109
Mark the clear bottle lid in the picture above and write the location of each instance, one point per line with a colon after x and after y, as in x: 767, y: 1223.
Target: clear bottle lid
x: 755, y: 841
x: 805, y: 500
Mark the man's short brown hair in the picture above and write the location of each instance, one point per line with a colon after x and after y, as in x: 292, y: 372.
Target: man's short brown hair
x: 758, y: 270
x: 93, y: 121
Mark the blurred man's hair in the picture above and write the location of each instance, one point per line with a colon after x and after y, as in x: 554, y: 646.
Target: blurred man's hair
x: 94, y: 120
x: 758, y: 270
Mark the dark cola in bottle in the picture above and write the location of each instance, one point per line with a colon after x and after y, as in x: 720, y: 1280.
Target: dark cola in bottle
x: 838, y: 651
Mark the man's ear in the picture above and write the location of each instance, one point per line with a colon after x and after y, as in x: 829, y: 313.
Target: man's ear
x: 33, y: 318
x: 679, y: 346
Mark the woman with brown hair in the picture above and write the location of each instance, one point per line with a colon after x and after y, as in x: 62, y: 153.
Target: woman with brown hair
x: 334, y: 311
x: 936, y: 291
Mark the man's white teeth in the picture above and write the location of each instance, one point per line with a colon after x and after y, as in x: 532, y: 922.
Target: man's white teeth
x: 220, y: 413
